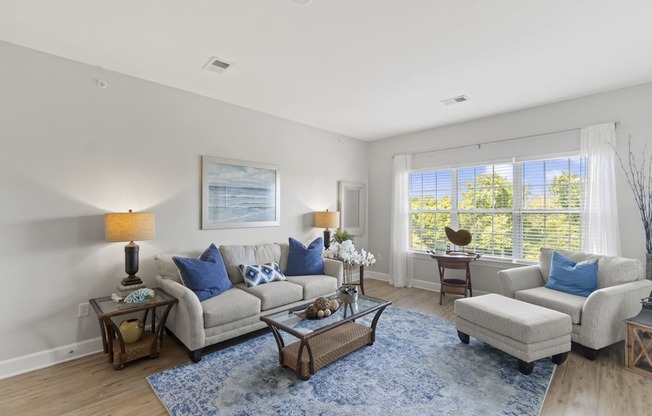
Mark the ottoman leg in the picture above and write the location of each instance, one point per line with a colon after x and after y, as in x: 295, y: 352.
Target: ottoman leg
x: 525, y: 368
x: 559, y: 358
x: 463, y: 337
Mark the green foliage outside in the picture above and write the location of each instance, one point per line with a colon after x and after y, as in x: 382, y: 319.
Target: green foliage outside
x: 492, y: 231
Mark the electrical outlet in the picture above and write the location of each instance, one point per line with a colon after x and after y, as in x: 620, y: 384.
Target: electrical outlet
x: 83, y: 309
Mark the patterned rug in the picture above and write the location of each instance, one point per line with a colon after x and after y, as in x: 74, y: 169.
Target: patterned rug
x: 417, y: 366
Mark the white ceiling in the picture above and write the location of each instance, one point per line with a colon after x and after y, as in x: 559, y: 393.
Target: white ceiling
x: 363, y: 68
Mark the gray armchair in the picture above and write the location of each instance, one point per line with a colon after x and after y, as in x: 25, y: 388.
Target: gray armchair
x: 597, y: 319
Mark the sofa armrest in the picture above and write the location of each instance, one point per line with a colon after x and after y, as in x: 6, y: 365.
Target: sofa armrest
x: 605, y: 310
x: 186, y: 319
x: 520, y: 278
x: 335, y: 269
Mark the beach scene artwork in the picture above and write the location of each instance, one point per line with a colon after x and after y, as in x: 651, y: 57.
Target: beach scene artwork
x: 240, y: 195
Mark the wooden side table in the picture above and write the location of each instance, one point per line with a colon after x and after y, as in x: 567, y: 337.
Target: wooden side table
x: 638, y: 345
x: 449, y: 260
x: 152, y: 340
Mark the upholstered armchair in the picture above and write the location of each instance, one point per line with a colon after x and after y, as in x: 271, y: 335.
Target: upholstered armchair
x: 597, y: 319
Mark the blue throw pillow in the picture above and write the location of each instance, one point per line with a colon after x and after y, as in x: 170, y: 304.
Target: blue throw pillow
x: 206, y: 276
x: 575, y: 278
x: 259, y: 274
x: 304, y: 260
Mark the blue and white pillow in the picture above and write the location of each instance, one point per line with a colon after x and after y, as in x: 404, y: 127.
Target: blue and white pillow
x: 259, y: 274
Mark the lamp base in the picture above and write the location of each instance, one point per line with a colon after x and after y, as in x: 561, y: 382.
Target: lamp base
x: 131, y: 280
x: 327, y: 238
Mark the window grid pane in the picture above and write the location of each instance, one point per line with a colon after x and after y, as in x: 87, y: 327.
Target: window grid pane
x: 523, y: 206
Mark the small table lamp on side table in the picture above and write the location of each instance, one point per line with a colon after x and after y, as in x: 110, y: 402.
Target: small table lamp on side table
x: 327, y: 219
x: 129, y: 226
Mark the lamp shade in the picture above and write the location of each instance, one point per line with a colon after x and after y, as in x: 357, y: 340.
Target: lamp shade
x: 327, y: 219
x: 129, y: 226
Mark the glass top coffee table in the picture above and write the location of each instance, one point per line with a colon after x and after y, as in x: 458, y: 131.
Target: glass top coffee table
x: 322, y: 341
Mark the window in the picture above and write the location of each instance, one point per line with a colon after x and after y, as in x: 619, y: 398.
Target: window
x: 512, y: 209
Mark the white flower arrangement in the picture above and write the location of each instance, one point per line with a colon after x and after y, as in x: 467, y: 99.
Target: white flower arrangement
x: 346, y: 253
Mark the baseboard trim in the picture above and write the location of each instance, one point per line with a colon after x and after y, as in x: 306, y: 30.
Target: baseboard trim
x: 48, y: 358
x: 418, y: 284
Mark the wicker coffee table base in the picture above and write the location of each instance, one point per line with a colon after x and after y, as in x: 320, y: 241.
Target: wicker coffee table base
x: 323, y: 349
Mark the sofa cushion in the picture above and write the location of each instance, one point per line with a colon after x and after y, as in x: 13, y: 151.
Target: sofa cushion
x: 553, y: 299
x: 315, y: 285
x: 274, y: 294
x: 166, y: 267
x: 258, y: 274
x: 283, y: 262
x: 235, y: 255
x: 205, y: 276
x: 230, y: 306
x: 612, y: 271
x: 575, y: 278
x: 304, y: 260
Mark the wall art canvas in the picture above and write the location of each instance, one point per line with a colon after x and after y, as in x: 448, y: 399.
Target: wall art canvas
x: 237, y: 194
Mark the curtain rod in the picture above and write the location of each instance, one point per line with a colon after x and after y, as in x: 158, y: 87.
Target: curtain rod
x: 479, y: 145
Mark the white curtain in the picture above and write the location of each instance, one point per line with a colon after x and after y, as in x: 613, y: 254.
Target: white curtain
x: 600, y: 214
x: 400, y: 226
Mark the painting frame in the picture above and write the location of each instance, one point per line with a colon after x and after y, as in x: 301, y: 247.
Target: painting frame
x: 239, y: 194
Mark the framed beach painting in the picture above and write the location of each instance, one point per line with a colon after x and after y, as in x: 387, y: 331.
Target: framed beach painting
x: 237, y: 194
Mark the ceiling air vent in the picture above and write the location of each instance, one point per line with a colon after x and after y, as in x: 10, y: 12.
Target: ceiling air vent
x: 217, y: 65
x: 456, y: 100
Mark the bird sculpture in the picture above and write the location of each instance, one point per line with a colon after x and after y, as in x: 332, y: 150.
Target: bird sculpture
x: 460, y: 237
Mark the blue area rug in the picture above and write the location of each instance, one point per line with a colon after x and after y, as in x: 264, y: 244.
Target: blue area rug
x: 417, y: 366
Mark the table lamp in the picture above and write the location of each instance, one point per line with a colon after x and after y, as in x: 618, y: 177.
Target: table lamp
x: 129, y: 226
x: 327, y: 219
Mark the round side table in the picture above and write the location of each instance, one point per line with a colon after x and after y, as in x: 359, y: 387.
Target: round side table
x: 454, y: 260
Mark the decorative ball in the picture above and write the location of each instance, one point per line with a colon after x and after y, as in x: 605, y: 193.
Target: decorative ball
x: 321, y: 303
x: 334, y: 305
x: 311, y: 312
x: 320, y: 314
x: 327, y: 313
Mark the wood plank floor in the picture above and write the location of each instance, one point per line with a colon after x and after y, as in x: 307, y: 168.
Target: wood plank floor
x: 90, y: 386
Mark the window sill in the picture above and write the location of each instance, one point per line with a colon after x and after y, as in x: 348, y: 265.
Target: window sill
x: 486, y: 261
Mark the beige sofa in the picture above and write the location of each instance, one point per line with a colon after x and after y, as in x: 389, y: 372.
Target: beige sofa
x: 597, y: 319
x: 238, y: 310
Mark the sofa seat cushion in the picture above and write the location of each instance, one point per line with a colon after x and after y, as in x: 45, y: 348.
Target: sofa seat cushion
x: 315, y: 285
x: 554, y: 299
x: 230, y: 306
x: 274, y: 294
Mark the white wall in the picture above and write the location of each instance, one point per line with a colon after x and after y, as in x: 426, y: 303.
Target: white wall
x: 72, y: 152
x: 631, y: 106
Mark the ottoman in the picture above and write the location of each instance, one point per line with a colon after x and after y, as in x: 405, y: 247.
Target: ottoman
x: 526, y: 331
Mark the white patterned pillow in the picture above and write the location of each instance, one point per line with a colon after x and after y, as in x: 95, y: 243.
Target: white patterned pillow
x: 259, y: 274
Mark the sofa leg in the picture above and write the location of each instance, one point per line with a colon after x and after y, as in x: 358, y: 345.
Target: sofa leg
x: 525, y: 368
x: 590, y: 353
x: 195, y: 356
x: 463, y: 337
x: 559, y: 358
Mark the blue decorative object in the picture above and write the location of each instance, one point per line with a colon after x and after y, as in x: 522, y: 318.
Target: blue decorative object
x: 259, y: 274
x: 304, y: 260
x: 139, y: 295
x: 575, y: 278
x: 206, y: 276
x: 417, y: 366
